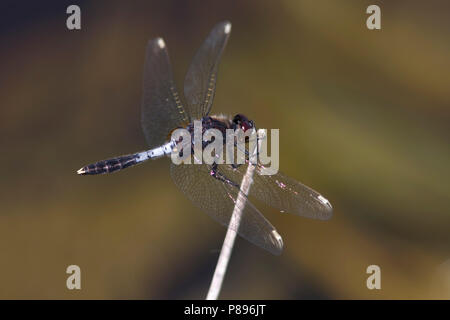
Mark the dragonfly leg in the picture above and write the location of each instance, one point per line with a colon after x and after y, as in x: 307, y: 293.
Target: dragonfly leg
x: 219, y: 176
x: 246, y: 151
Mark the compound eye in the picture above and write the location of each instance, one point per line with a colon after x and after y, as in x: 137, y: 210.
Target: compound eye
x: 246, y: 125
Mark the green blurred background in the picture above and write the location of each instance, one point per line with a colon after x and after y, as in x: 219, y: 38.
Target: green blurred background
x: 363, y: 117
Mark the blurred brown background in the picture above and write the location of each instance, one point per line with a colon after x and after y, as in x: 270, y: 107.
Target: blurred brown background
x: 363, y: 118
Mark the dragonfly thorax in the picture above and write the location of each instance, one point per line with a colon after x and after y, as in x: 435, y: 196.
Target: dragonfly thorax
x: 223, y: 122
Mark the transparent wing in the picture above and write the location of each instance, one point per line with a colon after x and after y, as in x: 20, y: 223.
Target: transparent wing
x: 162, y: 110
x: 284, y: 193
x: 200, y: 81
x: 217, y: 199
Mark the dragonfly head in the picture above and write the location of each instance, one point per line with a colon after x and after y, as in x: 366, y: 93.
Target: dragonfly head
x: 242, y: 122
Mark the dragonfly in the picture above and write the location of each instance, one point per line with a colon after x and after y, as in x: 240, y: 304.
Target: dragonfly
x: 213, y: 188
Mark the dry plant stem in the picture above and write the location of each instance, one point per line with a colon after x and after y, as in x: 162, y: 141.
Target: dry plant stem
x: 230, y: 237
